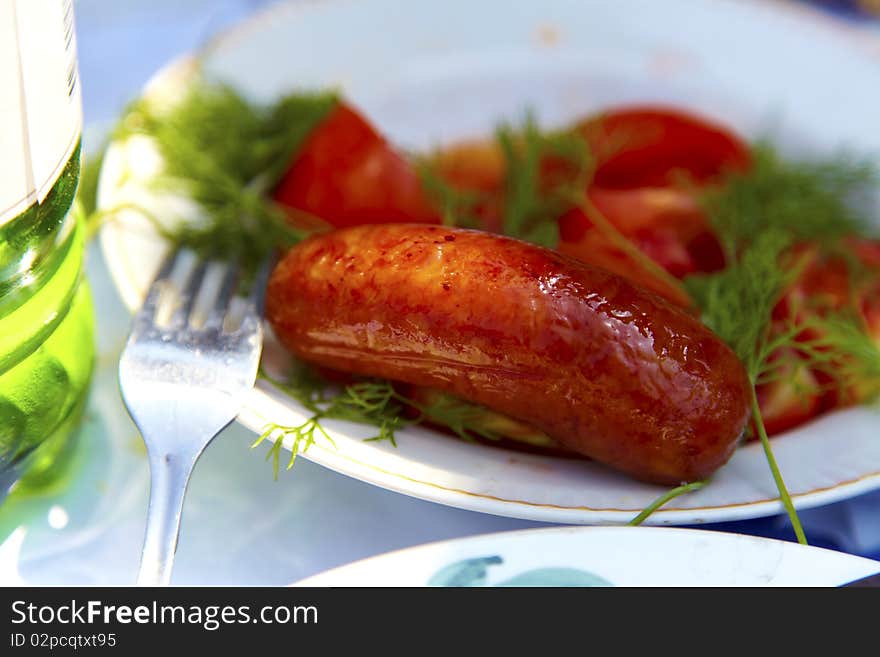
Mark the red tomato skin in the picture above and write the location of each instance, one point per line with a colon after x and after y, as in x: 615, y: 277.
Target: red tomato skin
x: 594, y: 248
x: 651, y: 163
x: 825, y: 286
x: 346, y: 173
x: 664, y: 223
x: 792, y: 400
x: 654, y: 145
x: 783, y: 408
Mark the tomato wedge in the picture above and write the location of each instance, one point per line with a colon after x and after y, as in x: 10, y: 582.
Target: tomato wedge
x: 654, y: 146
x: 791, y: 400
x: 825, y: 285
x: 666, y: 224
x: 594, y: 248
x: 650, y: 162
x: 346, y: 173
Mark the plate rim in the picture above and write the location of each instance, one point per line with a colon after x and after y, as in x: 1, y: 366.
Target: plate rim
x: 854, y: 37
x: 570, y: 515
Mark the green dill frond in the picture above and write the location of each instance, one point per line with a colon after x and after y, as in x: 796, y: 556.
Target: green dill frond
x: 737, y: 302
x: 807, y: 201
x: 372, y: 402
x: 458, y: 207
x: 536, y: 195
x: 464, y: 419
x: 665, y: 498
x: 304, y: 436
x: 378, y: 403
x: 841, y: 347
x: 471, y: 422
x: 227, y: 154
x: 214, y: 134
x: 758, y: 216
x: 546, y: 174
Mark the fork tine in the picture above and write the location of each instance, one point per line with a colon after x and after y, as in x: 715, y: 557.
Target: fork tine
x: 188, y: 294
x: 217, y: 312
x: 257, y: 292
x: 251, y: 308
x: 148, y: 309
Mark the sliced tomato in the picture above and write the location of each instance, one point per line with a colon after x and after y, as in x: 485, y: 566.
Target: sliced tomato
x: 794, y: 398
x: 665, y: 223
x: 647, y: 208
x: 825, y: 285
x: 867, y: 251
x: 595, y: 249
x: 865, y: 297
x: 654, y: 146
x: 643, y: 154
x: 871, y: 313
x: 650, y: 164
x: 346, y: 173
x: 800, y: 393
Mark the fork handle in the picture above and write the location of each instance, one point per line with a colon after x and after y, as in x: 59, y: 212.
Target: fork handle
x: 169, y: 476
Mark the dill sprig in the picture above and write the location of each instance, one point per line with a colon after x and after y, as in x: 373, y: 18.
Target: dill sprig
x: 759, y: 216
x: 784, y: 496
x: 379, y: 403
x: 472, y: 422
x: 664, y: 499
x: 835, y: 344
x: 804, y: 200
x: 303, y: 436
x: 737, y: 302
x: 535, y: 194
x: 844, y: 348
x: 461, y: 417
x: 226, y: 154
x: 373, y: 402
x: 545, y: 173
x: 458, y: 207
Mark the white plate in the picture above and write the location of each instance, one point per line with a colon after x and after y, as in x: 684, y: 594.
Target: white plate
x: 604, y: 556
x: 426, y: 72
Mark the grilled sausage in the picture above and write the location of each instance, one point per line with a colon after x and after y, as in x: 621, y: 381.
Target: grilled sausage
x: 607, y: 369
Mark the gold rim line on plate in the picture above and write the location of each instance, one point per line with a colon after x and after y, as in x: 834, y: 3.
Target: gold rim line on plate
x: 336, y: 454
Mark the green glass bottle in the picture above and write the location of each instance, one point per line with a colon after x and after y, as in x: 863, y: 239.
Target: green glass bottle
x: 46, y: 320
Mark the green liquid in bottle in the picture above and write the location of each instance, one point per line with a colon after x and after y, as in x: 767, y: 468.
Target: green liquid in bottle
x: 46, y: 336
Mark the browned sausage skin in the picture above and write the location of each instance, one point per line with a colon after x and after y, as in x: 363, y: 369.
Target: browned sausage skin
x: 605, y: 368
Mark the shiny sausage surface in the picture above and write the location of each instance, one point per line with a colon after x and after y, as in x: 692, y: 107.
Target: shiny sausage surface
x: 605, y: 368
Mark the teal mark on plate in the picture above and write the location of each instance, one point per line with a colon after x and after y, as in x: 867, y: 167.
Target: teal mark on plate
x: 475, y: 572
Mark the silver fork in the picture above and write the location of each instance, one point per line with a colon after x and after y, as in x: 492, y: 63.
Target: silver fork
x: 189, y: 363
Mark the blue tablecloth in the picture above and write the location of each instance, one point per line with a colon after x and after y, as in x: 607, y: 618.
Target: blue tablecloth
x: 241, y: 527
